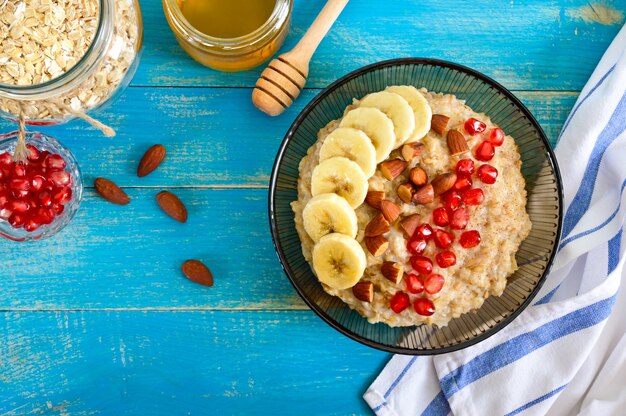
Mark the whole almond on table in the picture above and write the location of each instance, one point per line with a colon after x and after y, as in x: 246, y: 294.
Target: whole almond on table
x: 418, y: 176
x: 197, y: 272
x: 151, y: 160
x: 377, y: 226
x: 443, y: 182
x: 391, y: 169
x: 405, y: 192
x: 424, y: 195
x: 172, y: 206
x: 110, y: 191
x: 392, y: 271
x: 439, y: 123
x: 457, y: 144
x: 374, y: 198
x: 364, y: 291
x: 412, y: 150
x: 376, y: 245
x: 390, y: 211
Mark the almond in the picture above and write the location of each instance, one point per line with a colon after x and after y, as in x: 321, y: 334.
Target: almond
x: 376, y: 245
x: 172, y: 206
x: 392, y: 271
x: 456, y: 143
x: 111, y: 192
x: 390, y: 211
x: 391, y: 169
x: 197, y: 272
x: 151, y: 160
x: 412, y: 150
x: 409, y: 224
x: 405, y: 192
x: 418, y: 176
x: 439, y: 123
x: 424, y: 195
x: 364, y: 291
x: 377, y: 226
x: 374, y: 198
x: 443, y: 182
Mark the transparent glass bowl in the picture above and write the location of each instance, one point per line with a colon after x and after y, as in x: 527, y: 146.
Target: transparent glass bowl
x: 42, y: 142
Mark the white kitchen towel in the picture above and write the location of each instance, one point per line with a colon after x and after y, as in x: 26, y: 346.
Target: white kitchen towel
x: 565, y: 354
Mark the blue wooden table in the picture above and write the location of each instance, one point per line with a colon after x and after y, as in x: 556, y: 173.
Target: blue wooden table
x: 99, y: 319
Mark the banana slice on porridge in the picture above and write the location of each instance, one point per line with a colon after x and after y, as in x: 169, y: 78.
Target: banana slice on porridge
x: 329, y: 213
x: 341, y: 176
x: 397, y: 109
x: 421, y: 109
x: 378, y: 127
x: 339, y: 261
x: 352, y: 144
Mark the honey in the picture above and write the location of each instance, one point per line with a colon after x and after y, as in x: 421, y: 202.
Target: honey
x: 227, y: 19
x: 229, y: 35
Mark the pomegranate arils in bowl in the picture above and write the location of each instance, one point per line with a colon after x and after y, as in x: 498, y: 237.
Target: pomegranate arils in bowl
x: 465, y: 167
x: 434, y: 283
x: 443, y: 239
x: 487, y: 174
x: 462, y: 183
x: 452, y: 200
x: 424, y: 231
x: 424, y: 306
x: 469, y: 239
x: 485, y: 151
x: 440, y: 217
x: 459, y: 219
x: 496, y: 136
x: 414, y: 283
x: 399, y: 302
x: 473, y: 126
x: 416, y: 245
x: 445, y: 259
x: 474, y: 196
x: 422, y: 264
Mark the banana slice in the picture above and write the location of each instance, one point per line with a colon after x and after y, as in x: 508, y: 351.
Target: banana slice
x: 376, y: 125
x: 397, y: 109
x: 339, y: 261
x: 341, y: 176
x: 421, y: 109
x: 329, y: 213
x: 352, y: 144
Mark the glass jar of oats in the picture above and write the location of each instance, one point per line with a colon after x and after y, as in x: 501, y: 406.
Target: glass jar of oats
x: 59, y: 59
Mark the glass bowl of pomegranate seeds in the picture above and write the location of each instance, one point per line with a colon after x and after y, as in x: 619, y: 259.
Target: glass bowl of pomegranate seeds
x: 533, y: 257
x: 40, y: 196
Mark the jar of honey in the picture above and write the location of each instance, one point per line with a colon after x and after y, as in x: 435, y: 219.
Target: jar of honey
x: 233, y: 35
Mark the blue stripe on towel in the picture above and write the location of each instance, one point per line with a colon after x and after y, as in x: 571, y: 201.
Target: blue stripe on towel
x: 512, y: 350
x: 400, y: 376
x: 614, y: 249
x: 439, y: 406
x: 582, y: 200
x: 536, y: 401
x: 591, y: 91
x: 548, y: 296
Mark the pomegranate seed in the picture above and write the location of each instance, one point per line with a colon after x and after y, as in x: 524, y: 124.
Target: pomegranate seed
x: 18, y: 206
x: 443, y: 239
x: 445, y: 259
x: 399, y: 302
x: 465, y: 167
x: 44, y: 215
x: 422, y: 264
x: 416, y: 245
x: 18, y: 170
x: 45, y: 199
x: 54, y: 162
x: 424, y: 306
x: 31, y: 225
x: 485, y: 151
x: 474, y: 196
x: 423, y: 231
x: 440, y: 217
x: 462, y: 183
x: 414, y: 283
x: 37, y: 183
x: 20, y: 184
x: 62, y: 196
x: 496, y: 136
x: 473, y: 126
x: 487, y: 174
x: 33, y: 152
x: 459, y: 219
x: 4, y: 199
x: 5, y: 213
x: 434, y: 283
x: 452, y: 200
x: 470, y: 239
x: 60, y: 178
x: 57, y: 209
x: 20, y: 194
x: 6, y: 160
x: 17, y: 220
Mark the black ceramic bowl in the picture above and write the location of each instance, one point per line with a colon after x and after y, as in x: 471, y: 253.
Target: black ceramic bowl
x: 544, y: 206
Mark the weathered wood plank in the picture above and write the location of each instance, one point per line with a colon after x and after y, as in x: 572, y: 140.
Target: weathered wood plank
x: 174, y: 363
x: 534, y: 44
x: 213, y: 136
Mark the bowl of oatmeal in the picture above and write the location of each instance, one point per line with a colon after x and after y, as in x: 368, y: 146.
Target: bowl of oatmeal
x: 415, y: 206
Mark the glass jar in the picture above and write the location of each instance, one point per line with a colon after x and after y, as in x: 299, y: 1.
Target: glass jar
x: 42, y: 143
x: 231, y: 54
x: 97, y: 77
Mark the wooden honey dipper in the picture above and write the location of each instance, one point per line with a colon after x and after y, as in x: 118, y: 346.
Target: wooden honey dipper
x: 283, y: 79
